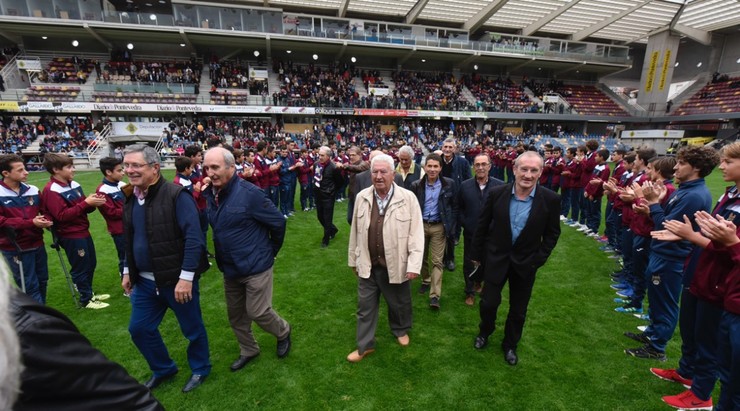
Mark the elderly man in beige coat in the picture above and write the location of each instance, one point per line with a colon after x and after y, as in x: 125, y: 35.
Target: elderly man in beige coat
x: 386, y: 245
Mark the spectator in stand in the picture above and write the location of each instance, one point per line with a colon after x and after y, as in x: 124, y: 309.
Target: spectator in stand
x: 666, y: 265
x: 63, y: 200
x: 112, y: 210
x: 22, y: 227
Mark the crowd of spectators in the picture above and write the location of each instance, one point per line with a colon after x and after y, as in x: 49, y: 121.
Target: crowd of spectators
x: 72, y: 135
x: 234, y: 74
x: 429, y: 91
x: 16, y: 133
x: 186, y: 72
x: 314, y: 86
x: 499, y: 95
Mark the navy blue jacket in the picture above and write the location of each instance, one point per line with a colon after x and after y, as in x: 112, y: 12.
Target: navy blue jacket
x: 470, y: 202
x: 460, y: 169
x: 248, y: 230
x: 447, y: 203
x: 690, y: 197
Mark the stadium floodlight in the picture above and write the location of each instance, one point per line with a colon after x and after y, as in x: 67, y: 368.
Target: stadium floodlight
x: 475, y: 67
x: 75, y: 43
x: 315, y: 56
x: 256, y: 53
x: 130, y: 46
x: 353, y: 59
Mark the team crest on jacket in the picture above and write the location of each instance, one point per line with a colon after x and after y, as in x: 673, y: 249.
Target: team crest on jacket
x: 81, y: 252
x: 30, y: 201
x: 16, y: 260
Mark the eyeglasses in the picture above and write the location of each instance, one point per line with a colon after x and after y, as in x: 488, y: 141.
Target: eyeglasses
x: 136, y: 166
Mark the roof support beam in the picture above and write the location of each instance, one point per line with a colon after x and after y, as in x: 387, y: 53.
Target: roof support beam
x: 406, y: 58
x: 97, y: 36
x: 12, y: 37
x: 596, y: 27
x: 341, y: 52
x: 532, y: 28
x: 700, y: 36
x: 413, y: 14
x: 342, y: 10
x: 483, y: 15
x: 648, y: 34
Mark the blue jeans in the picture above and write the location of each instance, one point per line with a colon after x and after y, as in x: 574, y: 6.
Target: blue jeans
x: 149, y: 304
x: 35, y: 271
x: 82, y: 261
x: 663, y: 298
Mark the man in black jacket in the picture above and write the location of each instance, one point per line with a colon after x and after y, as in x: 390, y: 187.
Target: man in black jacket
x: 456, y: 168
x: 326, y: 181
x: 470, y: 200
x: 61, y: 369
x: 518, y: 229
x: 437, y: 198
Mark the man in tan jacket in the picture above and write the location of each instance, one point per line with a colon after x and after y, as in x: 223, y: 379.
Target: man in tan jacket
x: 386, y: 245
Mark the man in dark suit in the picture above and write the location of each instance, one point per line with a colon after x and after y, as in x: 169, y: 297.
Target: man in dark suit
x: 326, y: 179
x: 471, y: 197
x: 456, y: 168
x: 519, y: 228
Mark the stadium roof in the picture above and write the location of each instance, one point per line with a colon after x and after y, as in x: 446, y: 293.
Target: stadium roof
x: 615, y: 20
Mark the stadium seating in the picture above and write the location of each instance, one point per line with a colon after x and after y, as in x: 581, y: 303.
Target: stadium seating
x: 590, y: 101
x: 720, y: 97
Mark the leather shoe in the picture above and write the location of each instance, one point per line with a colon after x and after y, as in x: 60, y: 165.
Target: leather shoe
x: 155, y: 381
x: 194, y: 382
x: 241, y: 362
x: 283, y: 346
x: 355, y: 355
x: 404, y: 340
x: 480, y: 342
x: 510, y: 357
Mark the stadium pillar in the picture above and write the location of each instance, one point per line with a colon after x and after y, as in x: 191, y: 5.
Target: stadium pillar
x: 657, y: 71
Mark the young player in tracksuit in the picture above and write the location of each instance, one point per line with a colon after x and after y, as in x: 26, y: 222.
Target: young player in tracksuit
x: 611, y: 224
x: 64, y: 201
x: 112, y: 210
x: 19, y: 212
x: 665, y: 269
x: 571, y: 177
x: 595, y: 191
x: 659, y: 169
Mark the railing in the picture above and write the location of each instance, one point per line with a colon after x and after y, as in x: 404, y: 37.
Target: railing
x: 128, y: 86
x: 100, y: 138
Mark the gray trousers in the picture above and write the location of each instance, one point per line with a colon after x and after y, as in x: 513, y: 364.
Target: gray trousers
x: 250, y: 299
x: 398, y: 298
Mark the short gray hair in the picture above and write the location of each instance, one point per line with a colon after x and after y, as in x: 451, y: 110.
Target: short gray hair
x: 326, y: 150
x: 406, y: 150
x: 229, y: 160
x: 10, y: 352
x: 383, y: 158
x: 450, y: 140
x: 533, y: 154
x: 150, y: 154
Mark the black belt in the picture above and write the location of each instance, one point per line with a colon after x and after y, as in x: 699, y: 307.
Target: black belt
x: 431, y: 222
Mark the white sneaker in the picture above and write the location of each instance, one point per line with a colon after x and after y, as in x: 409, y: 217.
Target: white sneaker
x: 642, y: 328
x: 583, y: 228
x: 562, y: 218
x: 96, y: 305
x: 100, y: 297
x: 594, y: 235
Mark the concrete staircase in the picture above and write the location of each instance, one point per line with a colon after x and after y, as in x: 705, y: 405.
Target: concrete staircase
x: 469, y: 97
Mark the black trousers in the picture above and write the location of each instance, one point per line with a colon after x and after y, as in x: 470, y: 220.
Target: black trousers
x: 325, y: 213
x: 520, y: 290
